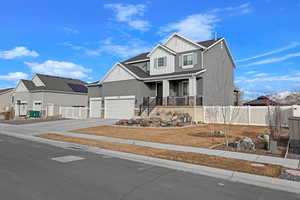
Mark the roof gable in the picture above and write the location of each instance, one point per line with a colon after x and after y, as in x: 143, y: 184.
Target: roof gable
x: 116, y: 66
x: 159, y: 46
x: 118, y: 73
x: 21, y: 87
x: 181, y: 43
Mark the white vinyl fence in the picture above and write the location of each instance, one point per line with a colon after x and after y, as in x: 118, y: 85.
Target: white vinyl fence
x: 247, y: 115
x: 73, y: 112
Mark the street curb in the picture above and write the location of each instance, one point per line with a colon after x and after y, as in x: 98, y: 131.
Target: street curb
x: 250, y: 179
x: 289, y: 163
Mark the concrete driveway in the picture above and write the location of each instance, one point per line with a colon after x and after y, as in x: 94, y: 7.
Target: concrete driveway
x: 50, y: 126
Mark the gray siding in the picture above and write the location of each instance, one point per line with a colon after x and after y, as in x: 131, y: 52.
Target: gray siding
x: 129, y: 87
x: 95, y: 91
x: 60, y: 99
x: 218, y: 79
x: 178, y: 67
x: 5, y: 101
x: 199, y: 86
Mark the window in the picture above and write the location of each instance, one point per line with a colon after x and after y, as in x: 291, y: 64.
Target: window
x: 187, y: 59
x: 161, y: 61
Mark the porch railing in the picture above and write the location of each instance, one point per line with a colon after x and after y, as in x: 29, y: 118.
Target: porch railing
x: 184, y: 101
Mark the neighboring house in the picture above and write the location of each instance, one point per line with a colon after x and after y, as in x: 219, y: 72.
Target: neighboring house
x: 45, y: 90
x: 179, y: 72
x: 261, y: 101
x: 6, y: 99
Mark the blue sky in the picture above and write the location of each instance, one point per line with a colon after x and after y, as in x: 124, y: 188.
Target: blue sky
x: 83, y: 39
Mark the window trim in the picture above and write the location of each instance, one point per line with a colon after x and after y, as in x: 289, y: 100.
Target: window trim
x: 182, y: 60
x: 161, y: 57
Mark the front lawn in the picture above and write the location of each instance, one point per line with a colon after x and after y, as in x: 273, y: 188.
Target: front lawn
x: 190, y: 136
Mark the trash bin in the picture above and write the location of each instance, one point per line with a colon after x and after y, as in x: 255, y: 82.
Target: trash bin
x: 34, y: 114
x: 294, y: 134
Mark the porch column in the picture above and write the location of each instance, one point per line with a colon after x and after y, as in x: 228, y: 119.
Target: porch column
x: 166, y: 92
x: 192, y: 90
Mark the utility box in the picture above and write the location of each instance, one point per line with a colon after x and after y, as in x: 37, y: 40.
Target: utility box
x: 294, y: 134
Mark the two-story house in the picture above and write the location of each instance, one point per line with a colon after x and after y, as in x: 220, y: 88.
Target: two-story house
x: 179, y: 72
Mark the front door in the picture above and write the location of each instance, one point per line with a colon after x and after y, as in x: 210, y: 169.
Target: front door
x: 159, y: 93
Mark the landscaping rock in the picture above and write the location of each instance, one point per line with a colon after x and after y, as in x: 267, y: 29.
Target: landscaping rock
x: 246, y: 144
x: 155, y: 119
x: 292, y: 175
x: 122, y: 122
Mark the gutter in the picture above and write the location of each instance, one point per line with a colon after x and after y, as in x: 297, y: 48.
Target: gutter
x: 53, y: 91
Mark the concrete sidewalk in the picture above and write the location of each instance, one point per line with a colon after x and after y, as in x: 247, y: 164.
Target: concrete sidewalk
x: 289, y: 163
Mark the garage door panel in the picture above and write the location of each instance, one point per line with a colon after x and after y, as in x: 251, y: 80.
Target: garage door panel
x: 119, y: 108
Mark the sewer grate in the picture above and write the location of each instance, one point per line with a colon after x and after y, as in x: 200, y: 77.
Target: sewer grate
x: 66, y: 159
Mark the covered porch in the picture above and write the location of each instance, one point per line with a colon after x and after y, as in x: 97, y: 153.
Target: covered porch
x: 176, y: 92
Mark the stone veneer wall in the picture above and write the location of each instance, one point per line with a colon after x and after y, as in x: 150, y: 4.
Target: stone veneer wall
x: 195, y: 112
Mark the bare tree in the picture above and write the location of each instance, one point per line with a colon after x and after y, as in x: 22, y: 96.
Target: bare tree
x: 275, y: 121
x: 228, y: 113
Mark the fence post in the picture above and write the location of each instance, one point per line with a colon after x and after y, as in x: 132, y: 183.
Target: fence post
x: 249, y: 115
x: 203, y: 108
x: 230, y: 113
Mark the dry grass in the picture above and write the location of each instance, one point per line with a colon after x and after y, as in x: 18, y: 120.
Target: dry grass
x: 178, y: 136
x: 188, y: 157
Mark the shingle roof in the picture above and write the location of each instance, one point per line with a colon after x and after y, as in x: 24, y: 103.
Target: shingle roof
x: 261, y: 101
x: 5, y: 90
x: 55, y: 83
x: 208, y: 43
x: 31, y: 86
x: 143, y: 56
x: 136, y: 70
x: 142, y: 74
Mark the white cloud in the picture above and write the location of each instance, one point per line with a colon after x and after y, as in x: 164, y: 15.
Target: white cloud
x: 291, y: 78
x: 287, y: 47
x: 273, y: 60
x: 69, y: 30
x: 201, y: 26
x: 18, y: 52
x: 261, y: 74
x: 13, y: 76
x: 131, y: 47
x: 251, y: 72
x: 243, y: 9
x: 131, y: 14
x: 196, y: 27
x: 59, y: 69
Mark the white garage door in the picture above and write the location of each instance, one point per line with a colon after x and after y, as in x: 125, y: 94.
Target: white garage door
x: 21, y: 109
x: 95, y: 107
x: 119, y: 107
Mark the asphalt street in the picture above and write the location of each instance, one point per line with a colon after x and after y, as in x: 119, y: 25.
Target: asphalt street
x: 35, y: 171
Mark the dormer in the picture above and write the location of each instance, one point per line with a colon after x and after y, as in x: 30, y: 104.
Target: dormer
x: 162, y: 60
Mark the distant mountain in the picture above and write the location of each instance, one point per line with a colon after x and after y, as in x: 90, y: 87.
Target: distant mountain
x: 286, y: 98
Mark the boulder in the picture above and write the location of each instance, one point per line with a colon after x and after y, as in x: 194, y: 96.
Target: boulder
x: 246, y: 144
